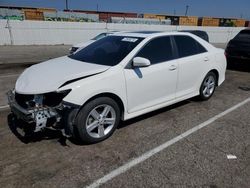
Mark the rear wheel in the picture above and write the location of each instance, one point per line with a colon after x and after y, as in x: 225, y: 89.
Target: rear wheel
x: 97, y: 120
x: 208, y: 86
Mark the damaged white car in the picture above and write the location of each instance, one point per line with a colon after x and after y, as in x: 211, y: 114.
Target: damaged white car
x: 119, y: 77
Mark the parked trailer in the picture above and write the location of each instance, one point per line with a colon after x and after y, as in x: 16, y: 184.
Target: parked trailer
x: 188, y: 20
x: 208, y: 21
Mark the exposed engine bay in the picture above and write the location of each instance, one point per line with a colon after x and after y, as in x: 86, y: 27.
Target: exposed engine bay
x: 42, y: 110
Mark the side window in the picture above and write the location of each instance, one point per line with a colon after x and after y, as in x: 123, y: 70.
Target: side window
x: 157, y: 50
x: 188, y: 46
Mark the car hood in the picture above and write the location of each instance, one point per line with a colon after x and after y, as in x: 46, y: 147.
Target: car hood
x: 83, y: 44
x: 50, y: 75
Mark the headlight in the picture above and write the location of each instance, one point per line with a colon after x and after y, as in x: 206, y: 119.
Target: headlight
x: 51, y: 99
x: 54, y: 98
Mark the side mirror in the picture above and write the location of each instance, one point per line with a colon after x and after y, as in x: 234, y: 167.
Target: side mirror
x: 141, y: 62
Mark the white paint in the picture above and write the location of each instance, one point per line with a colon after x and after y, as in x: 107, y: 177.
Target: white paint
x: 141, y: 90
x: 70, y: 69
x: 230, y: 156
x: 165, y: 145
x: 29, y: 32
x: 4, y: 107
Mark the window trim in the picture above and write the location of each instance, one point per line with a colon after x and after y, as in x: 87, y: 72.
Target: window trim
x: 197, y: 42
x: 175, y: 53
x: 140, y: 38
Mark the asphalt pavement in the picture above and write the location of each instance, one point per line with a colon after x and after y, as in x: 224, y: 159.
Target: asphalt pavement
x: 215, y: 156
x: 199, y: 160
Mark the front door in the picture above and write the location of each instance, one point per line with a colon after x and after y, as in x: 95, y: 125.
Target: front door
x: 155, y: 84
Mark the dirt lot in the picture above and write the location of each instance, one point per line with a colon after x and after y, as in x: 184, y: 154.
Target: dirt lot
x: 199, y: 160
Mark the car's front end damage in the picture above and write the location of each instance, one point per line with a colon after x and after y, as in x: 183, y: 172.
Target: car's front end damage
x: 38, y: 96
x: 43, y: 111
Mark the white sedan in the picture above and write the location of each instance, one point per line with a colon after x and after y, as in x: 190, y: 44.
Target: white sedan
x: 119, y: 77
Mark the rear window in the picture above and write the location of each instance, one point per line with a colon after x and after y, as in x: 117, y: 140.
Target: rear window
x: 109, y: 50
x: 188, y: 46
x: 243, y: 35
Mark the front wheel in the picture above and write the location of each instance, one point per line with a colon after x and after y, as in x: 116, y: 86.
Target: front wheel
x: 208, y: 86
x: 97, y: 120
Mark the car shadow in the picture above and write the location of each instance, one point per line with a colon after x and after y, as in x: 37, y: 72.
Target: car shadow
x: 20, y: 130
x: 25, y: 135
x: 154, y: 113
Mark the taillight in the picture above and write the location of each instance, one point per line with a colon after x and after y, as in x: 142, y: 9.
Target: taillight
x: 225, y: 53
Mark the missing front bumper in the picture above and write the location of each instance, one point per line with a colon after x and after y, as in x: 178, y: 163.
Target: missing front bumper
x: 42, y: 117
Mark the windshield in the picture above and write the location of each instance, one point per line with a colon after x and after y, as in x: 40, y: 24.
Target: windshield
x: 109, y: 50
x: 100, y: 36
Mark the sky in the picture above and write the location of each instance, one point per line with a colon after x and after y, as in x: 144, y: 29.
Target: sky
x: 213, y: 8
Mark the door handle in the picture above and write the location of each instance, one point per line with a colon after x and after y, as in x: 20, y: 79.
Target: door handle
x: 206, y: 59
x: 172, y: 67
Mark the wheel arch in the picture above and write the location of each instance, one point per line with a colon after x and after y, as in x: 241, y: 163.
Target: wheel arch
x: 113, y: 96
x: 216, y: 72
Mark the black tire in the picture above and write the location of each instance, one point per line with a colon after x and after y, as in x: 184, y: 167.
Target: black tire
x: 83, y: 117
x: 203, y: 96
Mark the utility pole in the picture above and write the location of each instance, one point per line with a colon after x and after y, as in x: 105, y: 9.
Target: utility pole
x: 66, y: 4
x: 186, y: 10
x: 174, y: 12
x: 9, y: 29
x: 97, y: 7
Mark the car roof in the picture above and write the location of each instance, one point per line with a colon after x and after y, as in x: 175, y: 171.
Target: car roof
x: 193, y: 31
x: 145, y: 34
x: 153, y: 34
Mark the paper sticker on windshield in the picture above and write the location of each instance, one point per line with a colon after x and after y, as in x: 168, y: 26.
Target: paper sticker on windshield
x: 127, y: 39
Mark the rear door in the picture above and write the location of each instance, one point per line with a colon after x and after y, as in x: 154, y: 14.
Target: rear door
x: 193, y: 64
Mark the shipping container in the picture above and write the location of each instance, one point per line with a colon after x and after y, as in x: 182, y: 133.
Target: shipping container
x: 160, y: 17
x: 239, y: 23
x: 150, y: 16
x: 106, y: 16
x: 247, y: 24
x: 207, y: 21
x: 46, y: 9
x: 174, y: 19
x: 140, y: 16
x: 188, y: 20
x: 33, y: 15
x: 154, y: 16
x: 227, y: 22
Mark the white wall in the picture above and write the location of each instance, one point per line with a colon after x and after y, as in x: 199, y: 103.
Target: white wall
x: 52, y: 33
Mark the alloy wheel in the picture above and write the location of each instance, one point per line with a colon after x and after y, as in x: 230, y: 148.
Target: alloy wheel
x: 100, y: 121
